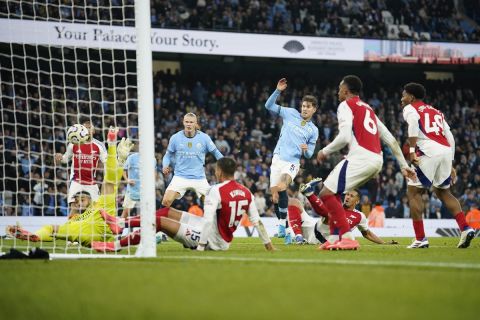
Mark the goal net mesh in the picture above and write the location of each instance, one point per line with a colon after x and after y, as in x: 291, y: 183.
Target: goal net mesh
x: 60, y: 61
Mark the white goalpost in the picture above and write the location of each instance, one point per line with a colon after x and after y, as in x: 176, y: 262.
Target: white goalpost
x: 60, y: 62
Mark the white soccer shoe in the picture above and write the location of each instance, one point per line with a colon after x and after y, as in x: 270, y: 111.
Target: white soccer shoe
x: 419, y: 244
x: 466, y: 237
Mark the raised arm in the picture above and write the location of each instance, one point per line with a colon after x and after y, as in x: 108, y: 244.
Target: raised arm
x: 270, y: 104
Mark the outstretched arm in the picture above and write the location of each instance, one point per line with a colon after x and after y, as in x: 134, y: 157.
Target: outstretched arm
x: 254, y: 217
x: 345, y: 124
x: 270, y: 104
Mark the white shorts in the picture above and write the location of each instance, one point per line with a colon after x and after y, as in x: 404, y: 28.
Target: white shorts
x: 353, y: 172
x: 190, y: 231
x: 181, y: 185
x: 308, y: 231
x: 76, y: 187
x: 435, y: 171
x: 280, y: 167
x: 128, y: 203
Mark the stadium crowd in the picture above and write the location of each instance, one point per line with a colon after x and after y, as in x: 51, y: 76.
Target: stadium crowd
x: 392, y: 19
x: 232, y: 113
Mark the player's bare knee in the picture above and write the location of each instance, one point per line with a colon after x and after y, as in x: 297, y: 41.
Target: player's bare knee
x: 166, y: 202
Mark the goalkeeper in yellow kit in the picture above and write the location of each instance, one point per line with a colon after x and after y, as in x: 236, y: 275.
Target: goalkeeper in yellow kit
x: 86, y: 223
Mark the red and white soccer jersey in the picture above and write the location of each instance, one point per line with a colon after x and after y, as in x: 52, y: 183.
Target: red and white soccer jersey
x: 225, y: 204
x: 361, y: 129
x: 434, y: 150
x: 431, y: 139
x: 84, y: 167
x: 85, y: 160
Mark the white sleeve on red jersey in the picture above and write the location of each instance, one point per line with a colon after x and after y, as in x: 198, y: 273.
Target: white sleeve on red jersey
x: 252, y: 213
x: 67, y: 156
x: 411, y: 116
x: 387, y: 137
x: 363, y: 224
x: 103, y: 150
x: 345, y: 124
x: 212, y: 203
x: 449, y: 136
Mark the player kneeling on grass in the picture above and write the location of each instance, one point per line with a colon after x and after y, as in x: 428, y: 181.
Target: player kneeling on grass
x: 86, y: 223
x: 225, y: 204
x: 313, y: 231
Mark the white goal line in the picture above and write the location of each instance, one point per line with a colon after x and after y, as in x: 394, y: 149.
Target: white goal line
x: 401, y: 263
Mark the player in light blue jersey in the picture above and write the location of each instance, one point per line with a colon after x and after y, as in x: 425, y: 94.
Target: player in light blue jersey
x: 131, y: 174
x: 297, y: 138
x: 187, y: 150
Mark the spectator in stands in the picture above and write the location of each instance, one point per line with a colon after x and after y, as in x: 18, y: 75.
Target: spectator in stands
x: 376, y: 218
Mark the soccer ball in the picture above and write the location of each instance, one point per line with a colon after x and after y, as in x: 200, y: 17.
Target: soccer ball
x: 78, y: 134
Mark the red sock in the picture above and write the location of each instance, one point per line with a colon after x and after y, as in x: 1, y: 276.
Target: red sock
x: 133, y: 221
x: 295, y: 219
x: 462, y: 223
x: 162, y: 212
x: 158, y: 221
x: 318, y: 206
x: 132, y: 239
x: 419, y: 231
x: 338, y: 220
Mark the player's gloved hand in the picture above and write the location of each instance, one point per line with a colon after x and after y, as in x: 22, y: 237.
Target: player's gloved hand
x: 112, y: 135
x: 123, y: 149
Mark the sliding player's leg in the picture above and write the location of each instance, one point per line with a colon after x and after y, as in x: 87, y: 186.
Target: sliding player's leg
x: 295, y: 219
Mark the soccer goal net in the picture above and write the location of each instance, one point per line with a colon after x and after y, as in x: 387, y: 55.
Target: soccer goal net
x: 65, y: 62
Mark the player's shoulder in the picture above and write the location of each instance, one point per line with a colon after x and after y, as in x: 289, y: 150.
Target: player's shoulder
x: 99, y: 144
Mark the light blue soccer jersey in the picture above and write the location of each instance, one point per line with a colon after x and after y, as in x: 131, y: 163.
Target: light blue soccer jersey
x: 188, y: 154
x: 295, y: 131
x: 132, y: 165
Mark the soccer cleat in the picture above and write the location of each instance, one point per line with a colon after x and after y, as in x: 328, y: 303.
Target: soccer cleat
x: 288, y: 238
x: 344, y: 244
x: 324, y: 245
x: 299, y: 239
x: 307, y: 189
x: 419, y: 244
x: 112, y: 222
x: 101, y: 246
x: 19, y: 233
x: 466, y: 237
x: 281, y: 231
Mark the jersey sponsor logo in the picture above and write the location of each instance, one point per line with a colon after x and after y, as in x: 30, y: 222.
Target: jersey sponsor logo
x: 303, y: 123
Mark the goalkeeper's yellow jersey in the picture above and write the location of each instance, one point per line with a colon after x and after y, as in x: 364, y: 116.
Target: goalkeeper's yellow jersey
x: 90, y: 226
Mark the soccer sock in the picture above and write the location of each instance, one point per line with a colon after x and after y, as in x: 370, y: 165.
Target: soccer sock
x: 132, y: 222
x: 338, y: 220
x: 163, y: 212
x: 418, y: 228
x: 462, y: 223
x: 283, y: 204
x: 295, y: 219
x: 317, y: 205
x: 277, y: 212
x: 132, y: 239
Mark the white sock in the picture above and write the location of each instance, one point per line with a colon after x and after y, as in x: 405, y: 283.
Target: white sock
x: 332, y: 238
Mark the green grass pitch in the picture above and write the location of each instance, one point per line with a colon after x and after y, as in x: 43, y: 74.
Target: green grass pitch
x: 296, y: 282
